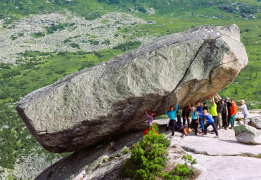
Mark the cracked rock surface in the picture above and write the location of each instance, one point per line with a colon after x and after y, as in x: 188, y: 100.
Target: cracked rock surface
x: 91, y: 105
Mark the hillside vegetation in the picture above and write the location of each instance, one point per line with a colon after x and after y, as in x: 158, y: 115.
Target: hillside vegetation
x: 37, y: 68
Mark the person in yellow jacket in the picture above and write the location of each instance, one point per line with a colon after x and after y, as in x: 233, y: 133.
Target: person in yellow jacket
x: 213, y: 110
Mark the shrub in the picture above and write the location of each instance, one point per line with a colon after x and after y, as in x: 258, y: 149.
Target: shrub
x: 182, y: 171
x: 148, y: 157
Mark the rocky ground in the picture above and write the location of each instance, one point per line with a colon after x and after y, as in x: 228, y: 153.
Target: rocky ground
x: 222, y: 158
x: 90, y: 35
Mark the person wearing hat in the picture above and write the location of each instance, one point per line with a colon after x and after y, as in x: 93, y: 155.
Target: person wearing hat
x: 233, y: 112
x: 228, y: 109
x: 195, y: 118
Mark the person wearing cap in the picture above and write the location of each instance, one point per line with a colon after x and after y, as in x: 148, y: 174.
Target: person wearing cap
x: 172, y: 119
x: 233, y: 112
x: 213, y: 110
x: 210, y: 121
x: 228, y: 109
x: 244, y: 111
x: 194, y: 115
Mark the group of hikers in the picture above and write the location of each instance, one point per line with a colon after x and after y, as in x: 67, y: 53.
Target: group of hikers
x: 221, y: 113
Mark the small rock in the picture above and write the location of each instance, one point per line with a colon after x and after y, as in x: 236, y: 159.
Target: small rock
x: 255, y: 122
x: 247, y: 134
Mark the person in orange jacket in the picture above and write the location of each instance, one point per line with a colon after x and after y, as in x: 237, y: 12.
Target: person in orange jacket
x: 233, y: 112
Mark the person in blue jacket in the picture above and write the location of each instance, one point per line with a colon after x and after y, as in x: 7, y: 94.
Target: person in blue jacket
x: 210, y: 121
x: 172, y: 119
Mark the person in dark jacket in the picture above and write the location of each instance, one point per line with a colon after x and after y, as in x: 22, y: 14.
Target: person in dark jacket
x: 228, y: 109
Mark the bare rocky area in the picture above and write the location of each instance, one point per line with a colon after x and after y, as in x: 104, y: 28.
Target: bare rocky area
x: 90, y: 35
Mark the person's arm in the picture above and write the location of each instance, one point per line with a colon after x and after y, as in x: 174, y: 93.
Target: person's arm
x: 167, y: 112
x: 176, y: 108
x: 226, y: 111
x: 189, y: 105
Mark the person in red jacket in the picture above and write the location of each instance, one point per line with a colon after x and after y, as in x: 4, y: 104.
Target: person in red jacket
x: 233, y: 112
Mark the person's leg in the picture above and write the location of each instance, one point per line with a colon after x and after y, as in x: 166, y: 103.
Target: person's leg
x: 215, y: 128
x: 215, y: 120
x: 184, y: 121
x: 173, y: 127
x: 196, y: 127
x: 232, y: 120
x: 220, y: 120
x: 188, y: 121
x: 202, y: 124
x: 245, y: 119
x: 228, y: 119
x: 206, y: 128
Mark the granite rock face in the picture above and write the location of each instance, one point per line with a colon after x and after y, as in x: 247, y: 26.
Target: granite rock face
x: 255, y: 122
x: 247, y: 134
x: 96, y: 103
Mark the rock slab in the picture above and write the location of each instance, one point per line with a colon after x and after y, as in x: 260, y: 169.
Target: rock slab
x: 247, y: 134
x: 255, y: 122
x: 94, y: 104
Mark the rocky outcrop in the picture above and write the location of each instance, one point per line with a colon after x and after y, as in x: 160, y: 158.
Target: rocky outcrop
x: 247, y: 134
x: 96, y: 103
x: 255, y: 122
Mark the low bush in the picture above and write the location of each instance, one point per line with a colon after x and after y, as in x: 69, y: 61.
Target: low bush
x: 148, y: 157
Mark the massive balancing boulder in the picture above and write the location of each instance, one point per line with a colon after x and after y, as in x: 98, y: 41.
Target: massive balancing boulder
x: 94, y: 104
x: 247, y: 134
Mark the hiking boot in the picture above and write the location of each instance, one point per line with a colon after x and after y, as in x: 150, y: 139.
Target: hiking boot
x: 216, y: 137
x: 225, y: 128
x: 201, y: 132
x: 231, y: 128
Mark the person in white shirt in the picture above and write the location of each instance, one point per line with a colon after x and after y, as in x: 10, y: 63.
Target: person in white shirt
x: 244, y: 111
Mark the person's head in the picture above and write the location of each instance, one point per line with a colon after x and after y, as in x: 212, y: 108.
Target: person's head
x: 172, y: 108
x: 193, y: 109
x: 223, y: 101
x: 204, y: 104
x: 232, y: 101
x: 199, y: 103
x: 242, y: 101
x: 226, y: 99
x: 153, y: 114
x: 205, y: 112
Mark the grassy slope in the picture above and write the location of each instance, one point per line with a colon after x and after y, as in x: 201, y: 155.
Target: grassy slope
x: 44, y: 69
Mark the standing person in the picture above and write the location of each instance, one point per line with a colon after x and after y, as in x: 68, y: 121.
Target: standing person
x: 200, y: 110
x: 244, y: 111
x: 233, y: 112
x: 218, y: 102
x: 194, y: 123
x: 179, y: 124
x: 150, y: 116
x: 172, y: 120
x: 187, y: 115
x: 213, y: 110
x: 184, y: 111
x: 224, y: 113
x: 228, y: 109
x: 210, y: 121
